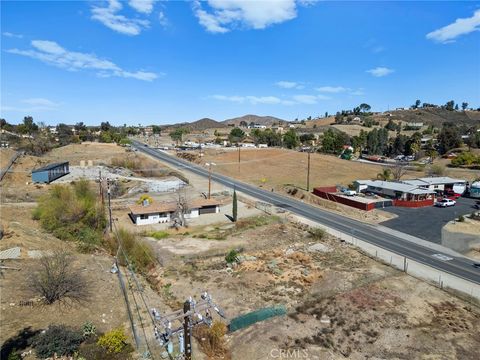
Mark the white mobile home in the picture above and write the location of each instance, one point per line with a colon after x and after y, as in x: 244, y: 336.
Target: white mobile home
x: 149, y: 214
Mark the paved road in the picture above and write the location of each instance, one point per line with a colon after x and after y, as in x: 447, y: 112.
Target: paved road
x: 460, y: 267
x: 426, y: 223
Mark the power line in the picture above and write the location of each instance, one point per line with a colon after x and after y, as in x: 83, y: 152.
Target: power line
x: 129, y: 266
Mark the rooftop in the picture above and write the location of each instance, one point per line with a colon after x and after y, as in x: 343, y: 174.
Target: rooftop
x: 50, y: 166
x: 396, y: 186
x: 433, y: 181
x: 162, y: 207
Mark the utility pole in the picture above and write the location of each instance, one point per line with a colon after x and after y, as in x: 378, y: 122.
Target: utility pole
x: 100, y: 181
x: 187, y: 331
x: 194, y: 313
x: 210, y: 177
x: 109, y: 204
x: 239, y: 154
x: 308, y: 172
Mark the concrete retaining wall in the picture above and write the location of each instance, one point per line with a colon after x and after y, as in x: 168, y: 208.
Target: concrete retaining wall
x: 438, y: 278
x: 458, y: 241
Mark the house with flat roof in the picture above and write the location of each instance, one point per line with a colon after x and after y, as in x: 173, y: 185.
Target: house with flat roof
x: 439, y: 184
x: 51, y: 172
x: 162, y: 212
x: 402, y: 194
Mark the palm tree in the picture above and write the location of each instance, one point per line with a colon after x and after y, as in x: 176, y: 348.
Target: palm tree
x: 385, y: 175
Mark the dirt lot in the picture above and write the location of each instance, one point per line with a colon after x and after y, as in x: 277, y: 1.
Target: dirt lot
x: 278, y: 167
x: 17, y: 185
x: 103, y: 308
x: 340, y: 302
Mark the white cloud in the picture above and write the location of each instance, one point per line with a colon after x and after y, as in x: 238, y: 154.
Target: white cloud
x: 108, y: 16
x: 224, y: 15
x: 251, y: 99
x: 380, y: 71
x: 40, y: 102
x: 51, y: 53
x: 289, y: 85
x: 461, y: 26
x: 143, y: 6
x: 162, y: 19
x: 237, y: 99
x: 305, y: 99
x: 378, y: 49
x: 12, y: 35
x: 332, y: 89
x: 271, y: 100
x: 33, y: 104
x: 358, y: 92
x: 263, y: 100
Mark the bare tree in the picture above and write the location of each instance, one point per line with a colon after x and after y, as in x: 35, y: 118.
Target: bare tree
x: 57, y: 280
x: 182, y: 208
x: 398, y: 170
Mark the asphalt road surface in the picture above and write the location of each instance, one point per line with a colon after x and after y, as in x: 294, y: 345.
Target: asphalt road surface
x: 426, y: 223
x: 457, y: 266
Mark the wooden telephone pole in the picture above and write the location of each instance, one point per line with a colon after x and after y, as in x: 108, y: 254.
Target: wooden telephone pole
x: 187, y: 331
x: 193, y: 314
x: 308, y: 172
x: 210, y: 178
x: 109, y: 204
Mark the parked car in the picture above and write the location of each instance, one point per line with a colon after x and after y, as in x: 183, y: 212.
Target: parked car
x: 348, y: 192
x: 450, y: 194
x: 399, y: 157
x: 409, y: 158
x: 445, y: 203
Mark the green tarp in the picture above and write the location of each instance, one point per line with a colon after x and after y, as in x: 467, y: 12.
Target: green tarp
x: 246, y: 320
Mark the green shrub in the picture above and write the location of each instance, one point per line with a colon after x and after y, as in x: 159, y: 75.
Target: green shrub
x: 140, y: 254
x: 89, y: 329
x: 159, y: 235
x: 461, y: 218
x: 317, y: 233
x: 14, y: 355
x: 72, y: 213
x: 232, y: 256
x: 92, y: 351
x: 113, y: 341
x: 57, y: 339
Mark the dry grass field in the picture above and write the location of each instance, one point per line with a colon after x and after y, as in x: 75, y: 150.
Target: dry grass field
x: 340, y: 303
x: 274, y: 168
x: 104, y: 306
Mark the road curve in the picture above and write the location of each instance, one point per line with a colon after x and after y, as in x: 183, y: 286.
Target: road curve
x: 458, y: 266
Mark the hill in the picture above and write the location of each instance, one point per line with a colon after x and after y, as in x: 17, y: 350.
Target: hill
x: 432, y: 116
x: 200, y: 125
x: 262, y: 120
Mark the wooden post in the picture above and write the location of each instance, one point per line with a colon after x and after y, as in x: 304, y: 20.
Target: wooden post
x: 308, y: 172
x: 187, y: 338
x: 209, y: 179
x: 109, y: 204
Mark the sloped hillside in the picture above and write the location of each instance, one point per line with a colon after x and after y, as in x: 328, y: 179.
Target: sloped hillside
x: 200, y: 125
x: 433, y: 116
x: 262, y: 120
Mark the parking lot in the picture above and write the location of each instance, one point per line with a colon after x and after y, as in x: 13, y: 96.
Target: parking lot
x: 426, y: 223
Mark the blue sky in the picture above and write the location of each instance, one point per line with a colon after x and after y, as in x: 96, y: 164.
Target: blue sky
x: 148, y: 62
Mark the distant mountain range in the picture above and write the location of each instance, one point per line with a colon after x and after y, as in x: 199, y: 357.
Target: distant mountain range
x: 199, y: 125
x: 207, y: 123
x: 429, y: 116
